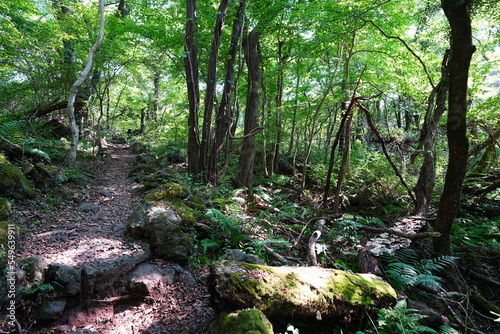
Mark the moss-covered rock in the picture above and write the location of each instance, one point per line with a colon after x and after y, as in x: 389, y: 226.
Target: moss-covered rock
x: 301, y: 291
x: 166, y: 192
x: 5, y: 211
x: 13, y: 183
x: 4, y: 225
x: 249, y: 321
x: 44, y: 176
x: 164, y: 230
x: 34, y: 268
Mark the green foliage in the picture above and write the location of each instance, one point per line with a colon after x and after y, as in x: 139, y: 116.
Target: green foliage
x: 227, y: 231
x: 399, y: 320
x: 406, y: 270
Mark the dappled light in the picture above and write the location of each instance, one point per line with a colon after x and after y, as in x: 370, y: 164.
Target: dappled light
x: 218, y: 167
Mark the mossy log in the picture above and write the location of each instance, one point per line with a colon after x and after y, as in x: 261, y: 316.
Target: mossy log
x: 301, y: 292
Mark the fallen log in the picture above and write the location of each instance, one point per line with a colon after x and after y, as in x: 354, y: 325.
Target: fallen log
x: 301, y: 292
x: 414, y: 236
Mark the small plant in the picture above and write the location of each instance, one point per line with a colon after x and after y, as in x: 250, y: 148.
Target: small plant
x: 405, y: 270
x: 398, y: 320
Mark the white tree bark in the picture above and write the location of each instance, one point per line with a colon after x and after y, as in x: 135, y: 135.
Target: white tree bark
x: 76, y: 87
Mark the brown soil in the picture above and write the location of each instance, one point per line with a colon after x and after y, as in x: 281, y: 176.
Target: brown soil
x: 72, y: 236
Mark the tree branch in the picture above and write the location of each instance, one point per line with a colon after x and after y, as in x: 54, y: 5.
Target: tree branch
x: 406, y: 46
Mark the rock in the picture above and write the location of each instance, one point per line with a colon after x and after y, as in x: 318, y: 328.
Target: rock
x: 239, y: 256
x: 163, y: 229
x: 44, y: 176
x: 56, y: 129
x: 146, y: 277
x: 51, y: 309
x: 34, y: 268
x: 13, y: 183
x: 301, y: 292
x: 184, y: 276
x: 5, y: 210
x: 68, y: 280
x: 101, y: 275
x: 88, y: 207
x: 105, y: 192
x: 249, y: 321
x: 11, y: 281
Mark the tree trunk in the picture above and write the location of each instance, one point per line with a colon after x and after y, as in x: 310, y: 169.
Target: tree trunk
x: 462, y: 49
x: 211, y: 85
x: 193, y: 89
x: 222, y: 122
x: 76, y: 87
x: 279, y: 103
x: 247, y: 157
x: 427, y: 176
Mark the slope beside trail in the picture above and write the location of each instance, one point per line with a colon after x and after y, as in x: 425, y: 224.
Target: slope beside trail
x: 78, y: 233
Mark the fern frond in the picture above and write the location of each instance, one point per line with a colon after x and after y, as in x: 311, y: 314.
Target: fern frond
x: 436, y: 264
x: 11, y: 131
x: 39, y: 153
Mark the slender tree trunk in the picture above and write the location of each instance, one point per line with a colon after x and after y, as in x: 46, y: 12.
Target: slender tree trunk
x: 435, y: 108
x: 344, y: 165
x: 279, y: 103
x: 211, y: 85
x: 222, y: 122
x: 193, y: 88
x: 315, y: 129
x: 457, y: 13
x: 247, y: 157
x: 295, y: 111
x: 156, y: 95
x: 78, y: 83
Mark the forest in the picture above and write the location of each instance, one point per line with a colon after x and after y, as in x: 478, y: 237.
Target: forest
x: 361, y: 137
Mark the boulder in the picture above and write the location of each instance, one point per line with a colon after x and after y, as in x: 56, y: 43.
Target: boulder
x: 51, y: 309
x: 147, y: 277
x: 67, y: 279
x: 56, y: 129
x: 34, y: 268
x: 44, y: 176
x: 13, y: 183
x: 5, y: 210
x: 301, y: 292
x: 239, y: 256
x: 101, y: 275
x: 249, y: 321
x: 163, y: 229
x: 88, y: 207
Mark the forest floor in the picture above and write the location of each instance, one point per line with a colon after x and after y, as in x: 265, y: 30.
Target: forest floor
x: 76, y: 233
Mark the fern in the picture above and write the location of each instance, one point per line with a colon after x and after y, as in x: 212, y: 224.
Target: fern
x: 406, y: 270
x: 11, y: 131
x: 12, y: 135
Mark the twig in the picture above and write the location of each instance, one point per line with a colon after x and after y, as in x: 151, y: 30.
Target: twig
x: 276, y: 255
x: 45, y: 234
x: 479, y: 276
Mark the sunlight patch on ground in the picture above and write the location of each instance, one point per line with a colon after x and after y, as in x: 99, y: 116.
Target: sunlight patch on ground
x: 88, y: 250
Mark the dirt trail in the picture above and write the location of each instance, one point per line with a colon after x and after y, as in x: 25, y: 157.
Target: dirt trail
x: 78, y: 233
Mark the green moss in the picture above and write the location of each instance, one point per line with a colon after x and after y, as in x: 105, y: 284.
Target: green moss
x: 3, y: 159
x: 5, y: 211
x: 249, y: 321
x: 13, y: 182
x: 3, y: 232
x: 166, y: 192
x: 302, y: 290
